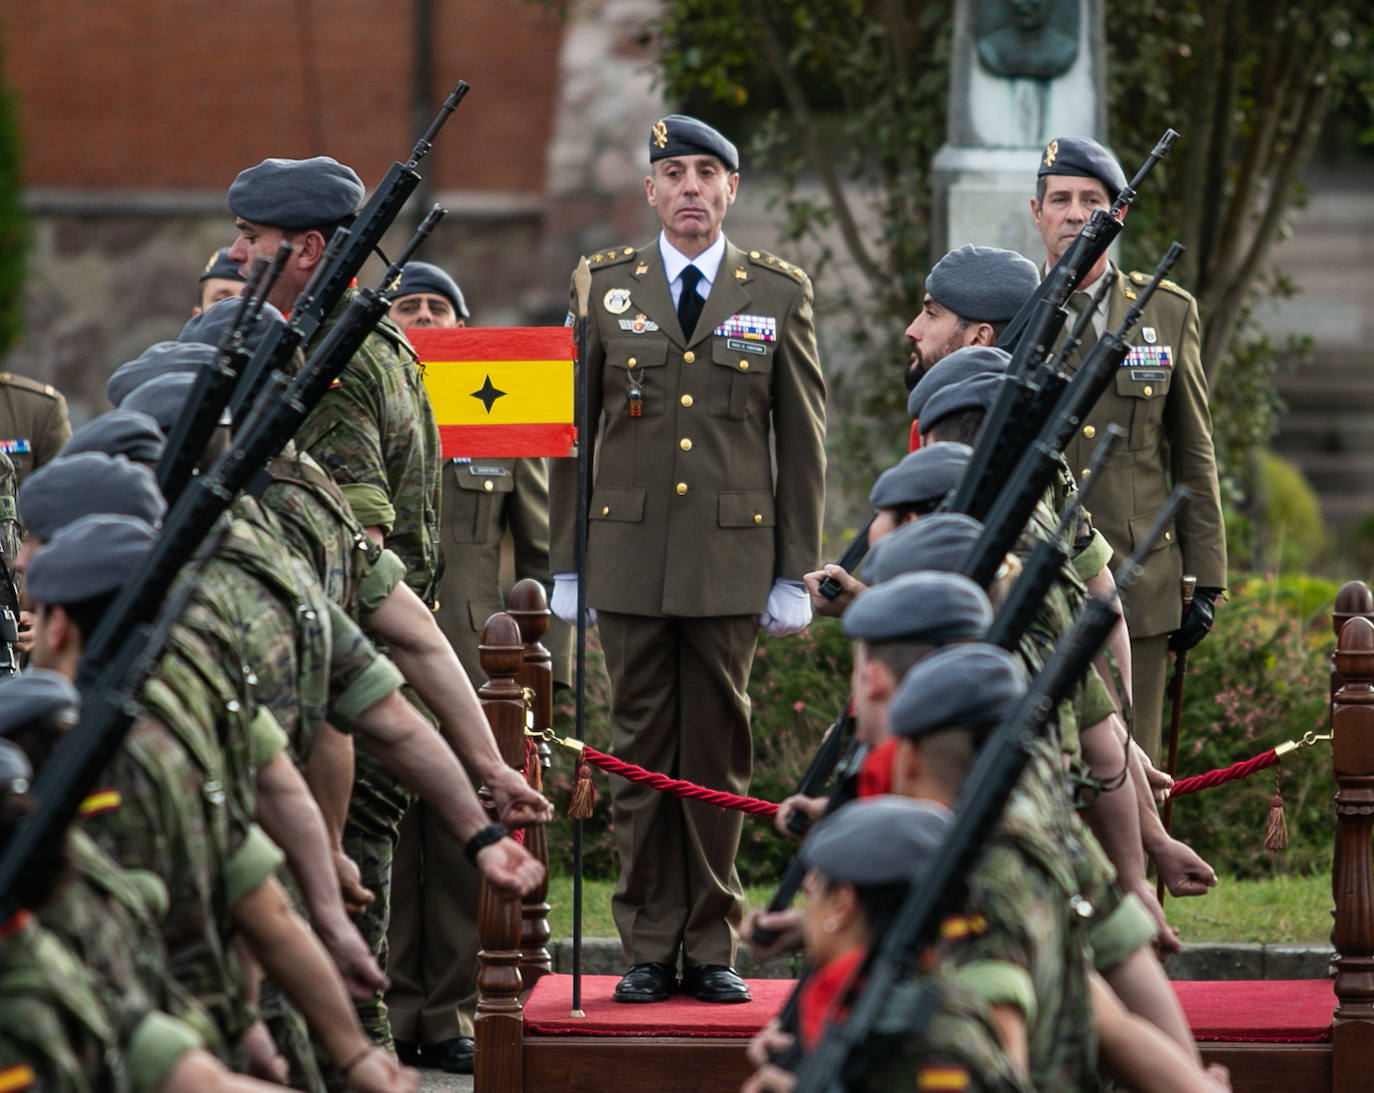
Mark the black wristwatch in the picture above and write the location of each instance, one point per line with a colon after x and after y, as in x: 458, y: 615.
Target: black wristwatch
x: 484, y: 838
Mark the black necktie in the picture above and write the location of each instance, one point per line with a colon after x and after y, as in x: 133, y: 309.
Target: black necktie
x: 1083, y: 301
x: 689, y: 303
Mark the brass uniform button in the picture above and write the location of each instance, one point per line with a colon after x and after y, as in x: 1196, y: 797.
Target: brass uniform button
x: 744, y: 366
x: 753, y: 254
x: 488, y: 486
x: 758, y: 517
x: 605, y: 510
x: 689, y: 357
x: 627, y: 252
x: 685, y: 444
x: 1085, y: 472
x: 631, y: 362
x: 1149, y: 390
x: 681, y: 488
x: 686, y: 400
x: 1089, y: 431
x: 1168, y: 536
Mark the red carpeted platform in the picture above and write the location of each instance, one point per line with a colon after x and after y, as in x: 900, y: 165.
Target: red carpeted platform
x: 546, y: 1011
x: 1278, y: 1011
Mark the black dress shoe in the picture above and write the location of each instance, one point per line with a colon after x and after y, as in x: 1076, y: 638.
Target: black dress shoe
x: 452, y: 1056
x: 715, y: 983
x: 408, y: 1052
x: 647, y: 983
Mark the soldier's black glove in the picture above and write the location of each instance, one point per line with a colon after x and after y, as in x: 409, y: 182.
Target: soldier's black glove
x: 1197, y: 622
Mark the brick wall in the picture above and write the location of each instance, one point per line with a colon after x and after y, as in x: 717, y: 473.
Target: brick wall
x: 159, y: 95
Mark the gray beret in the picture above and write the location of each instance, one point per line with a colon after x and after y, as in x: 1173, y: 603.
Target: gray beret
x: 878, y: 840
x: 423, y: 277
x: 220, y: 268
x: 162, y: 399
x: 212, y: 324
x: 296, y: 193
x: 982, y: 284
x: 15, y: 771
x: 940, y: 541
x: 966, y: 685
x: 924, y: 606
x: 36, y: 694
x: 681, y: 135
x: 922, y: 476
x: 972, y: 360
x: 162, y: 359
x: 120, y: 432
x: 92, y: 557
x: 75, y: 486
x: 1083, y: 157
x: 970, y: 393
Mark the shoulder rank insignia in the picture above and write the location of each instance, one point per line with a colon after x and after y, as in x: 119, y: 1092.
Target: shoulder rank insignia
x: 15, y: 1078
x: 610, y: 256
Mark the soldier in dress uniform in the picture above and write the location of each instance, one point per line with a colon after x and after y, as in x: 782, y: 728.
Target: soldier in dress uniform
x: 433, y: 933
x: 33, y: 422
x: 701, y: 356
x: 1159, y: 396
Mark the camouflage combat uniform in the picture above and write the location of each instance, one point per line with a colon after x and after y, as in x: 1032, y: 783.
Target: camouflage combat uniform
x: 54, y: 1033
x: 9, y: 547
x: 374, y: 433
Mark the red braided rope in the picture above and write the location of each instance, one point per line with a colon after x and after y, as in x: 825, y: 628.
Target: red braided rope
x: 676, y: 786
x: 1243, y: 769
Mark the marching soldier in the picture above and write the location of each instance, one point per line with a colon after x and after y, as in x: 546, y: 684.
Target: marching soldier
x: 1160, y: 397
x: 702, y: 358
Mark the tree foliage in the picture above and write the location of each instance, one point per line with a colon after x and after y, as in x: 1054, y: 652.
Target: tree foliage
x: 845, y: 100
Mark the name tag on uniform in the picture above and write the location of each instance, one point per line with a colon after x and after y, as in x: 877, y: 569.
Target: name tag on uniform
x: 1149, y: 356
x: 17, y: 446
x: 488, y: 472
x: 753, y: 328
x: 745, y: 347
x: 1149, y: 375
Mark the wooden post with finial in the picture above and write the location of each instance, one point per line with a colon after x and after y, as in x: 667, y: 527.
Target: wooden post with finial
x: 1352, y: 601
x: 1352, y: 872
x: 499, y: 1023
x: 529, y: 607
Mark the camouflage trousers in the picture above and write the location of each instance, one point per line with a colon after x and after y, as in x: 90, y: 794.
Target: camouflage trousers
x: 370, y: 835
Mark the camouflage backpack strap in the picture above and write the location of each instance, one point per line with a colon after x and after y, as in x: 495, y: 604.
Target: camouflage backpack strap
x: 305, y: 472
x: 49, y: 973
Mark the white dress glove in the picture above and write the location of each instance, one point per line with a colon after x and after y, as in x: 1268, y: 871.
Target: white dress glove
x: 564, y: 603
x: 788, y: 610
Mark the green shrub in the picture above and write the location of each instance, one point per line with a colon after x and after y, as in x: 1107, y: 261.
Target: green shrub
x: 1259, y: 679
x: 1282, y: 528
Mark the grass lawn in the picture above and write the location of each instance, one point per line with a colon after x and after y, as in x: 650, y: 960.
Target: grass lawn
x: 1280, y: 909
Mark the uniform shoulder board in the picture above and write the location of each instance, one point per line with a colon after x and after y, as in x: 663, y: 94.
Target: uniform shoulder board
x: 1144, y: 279
x: 26, y: 384
x: 777, y: 265
x: 611, y: 256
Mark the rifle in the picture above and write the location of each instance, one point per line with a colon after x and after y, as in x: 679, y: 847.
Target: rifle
x: 215, y: 384
x: 849, y: 561
x: 125, y: 646
x: 838, y: 1061
x: 349, y: 249
x: 1035, y: 469
x: 1082, y: 254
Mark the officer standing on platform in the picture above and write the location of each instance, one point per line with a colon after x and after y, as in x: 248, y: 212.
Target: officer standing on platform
x: 433, y: 932
x: 1159, y: 396
x: 701, y: 357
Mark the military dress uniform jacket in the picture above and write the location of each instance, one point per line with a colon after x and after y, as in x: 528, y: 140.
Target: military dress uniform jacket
x: 1159, y: 395
x: 687, y: 517
x: 33, y: 422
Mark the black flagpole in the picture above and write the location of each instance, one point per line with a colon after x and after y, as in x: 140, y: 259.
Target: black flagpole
x: 582, y: 284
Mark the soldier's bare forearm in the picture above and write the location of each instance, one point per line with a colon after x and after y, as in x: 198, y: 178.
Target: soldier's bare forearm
x: 329, y: 774
x: 427, y: 660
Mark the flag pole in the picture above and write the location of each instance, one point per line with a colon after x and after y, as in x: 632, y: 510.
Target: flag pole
x: 582, y: 286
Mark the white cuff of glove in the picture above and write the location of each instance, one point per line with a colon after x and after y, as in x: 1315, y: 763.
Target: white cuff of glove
x: 788, y: 610
x: 564, y: 602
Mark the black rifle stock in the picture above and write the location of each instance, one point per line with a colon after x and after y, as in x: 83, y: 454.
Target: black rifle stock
x: 1085, y: 253
x: 128, y: 640
x: 349, y: 250
x: 838, y: 1060
x: 849, y: 561
x: 1036, y: 467
x: 214, y: 385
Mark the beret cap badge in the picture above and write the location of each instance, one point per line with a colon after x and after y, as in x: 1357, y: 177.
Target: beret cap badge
x: 661, y: 134
x: 1051, y: 153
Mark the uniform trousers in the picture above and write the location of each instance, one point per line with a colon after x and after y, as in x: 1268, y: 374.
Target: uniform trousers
x: 1149, y: 677
x: 680, y: 706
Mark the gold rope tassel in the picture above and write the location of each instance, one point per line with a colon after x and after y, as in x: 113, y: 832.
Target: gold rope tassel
x: 1276, y: 830
x: 584, y: 794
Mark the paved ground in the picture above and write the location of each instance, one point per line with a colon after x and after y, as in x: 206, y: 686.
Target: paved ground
x: 436, y: 1081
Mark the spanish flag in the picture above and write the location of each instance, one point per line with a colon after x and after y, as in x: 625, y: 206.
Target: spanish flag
x: 500, y: 392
